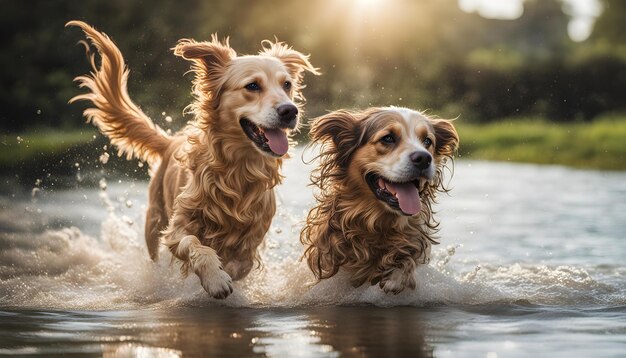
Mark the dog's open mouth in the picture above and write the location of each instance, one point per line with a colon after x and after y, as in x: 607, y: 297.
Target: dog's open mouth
x: 269, y: 140
x: 400, y: 196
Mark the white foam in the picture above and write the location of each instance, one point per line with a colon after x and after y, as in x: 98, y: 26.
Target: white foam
x: 71, y: 270
x: 105, y: 264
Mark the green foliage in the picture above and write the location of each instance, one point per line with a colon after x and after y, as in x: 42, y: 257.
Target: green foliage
x: 610, y: 26
x: 23, y: 148
x: 422, y: 54
x: 599, y: 144
x: 59, y: 158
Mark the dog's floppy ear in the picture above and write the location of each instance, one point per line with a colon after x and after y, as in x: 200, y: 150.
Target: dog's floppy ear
x: 211, y: 54
x: 447, y: 139
x: 342, y: 130
x: 295, y: 62
x: 210, y: 59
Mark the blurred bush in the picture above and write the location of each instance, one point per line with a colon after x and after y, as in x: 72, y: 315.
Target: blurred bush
x: 423, y: 54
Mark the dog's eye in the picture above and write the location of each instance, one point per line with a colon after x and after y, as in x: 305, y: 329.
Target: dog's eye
x: 253, y: 87
x: 388, y: 139
x: 287, y: 85
x: 428, y: 143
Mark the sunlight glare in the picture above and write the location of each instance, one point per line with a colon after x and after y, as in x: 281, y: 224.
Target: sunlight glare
x: 367, y: 4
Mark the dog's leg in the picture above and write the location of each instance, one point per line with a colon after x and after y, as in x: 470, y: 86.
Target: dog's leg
x: 238, y: 269
x: 156, y: 221
x: 395, y: 279
x: 204, y: 261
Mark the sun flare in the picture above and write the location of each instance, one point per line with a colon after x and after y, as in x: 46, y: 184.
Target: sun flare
x: 367, y: 4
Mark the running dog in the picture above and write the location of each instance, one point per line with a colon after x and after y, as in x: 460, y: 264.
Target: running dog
x: 211, y: 198
x: 378, y: 175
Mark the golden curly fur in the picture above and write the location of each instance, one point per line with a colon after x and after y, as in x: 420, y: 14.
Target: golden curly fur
x: 354, y: 227
x: 211, y: 198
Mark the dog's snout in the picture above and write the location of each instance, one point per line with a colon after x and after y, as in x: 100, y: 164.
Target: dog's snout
x: 421, y: 159
x: 287, y: 114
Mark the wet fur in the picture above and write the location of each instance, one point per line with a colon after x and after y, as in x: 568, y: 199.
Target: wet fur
x: 211, y: 198
x: 350, y: 228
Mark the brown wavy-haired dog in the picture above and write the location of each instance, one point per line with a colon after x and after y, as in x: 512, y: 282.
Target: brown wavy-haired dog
x: 379, y: 172
x: 211, y: 198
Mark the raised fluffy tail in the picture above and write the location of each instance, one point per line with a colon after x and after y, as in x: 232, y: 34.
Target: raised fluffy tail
x: 113, y: 112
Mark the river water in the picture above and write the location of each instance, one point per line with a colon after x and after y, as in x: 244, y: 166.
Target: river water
x: 531, y: 262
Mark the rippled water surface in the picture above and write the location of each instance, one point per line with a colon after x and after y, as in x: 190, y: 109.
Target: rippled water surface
x: 531, y: 262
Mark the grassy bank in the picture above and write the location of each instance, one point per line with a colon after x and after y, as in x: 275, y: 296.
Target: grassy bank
x: 600, y: 144
x: 596, y: 145
x: 62, y: 158
x: 25, y: 148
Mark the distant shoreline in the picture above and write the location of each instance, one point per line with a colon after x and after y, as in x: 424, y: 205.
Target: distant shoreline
x: 599, y: 144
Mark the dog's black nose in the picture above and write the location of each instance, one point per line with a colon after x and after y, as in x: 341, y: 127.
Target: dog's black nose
x: 421, y: 159
x: 287, y: 114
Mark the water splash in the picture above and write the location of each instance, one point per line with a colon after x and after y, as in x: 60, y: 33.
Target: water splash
x: 84, y: 253
x: 69, y: 269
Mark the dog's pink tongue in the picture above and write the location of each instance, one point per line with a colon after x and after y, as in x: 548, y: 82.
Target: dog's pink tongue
x: 408, y: 197
x: 277, y: 140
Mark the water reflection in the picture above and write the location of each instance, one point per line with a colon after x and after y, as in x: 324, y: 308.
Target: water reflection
x: 295, y: 335
x: 369, y: 331
x: 216, y: 331
x: 134, y: 350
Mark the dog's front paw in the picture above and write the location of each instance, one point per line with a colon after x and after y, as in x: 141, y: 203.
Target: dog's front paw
x: 217, y: 284
x: 215, y: 281
x: 396, y: 282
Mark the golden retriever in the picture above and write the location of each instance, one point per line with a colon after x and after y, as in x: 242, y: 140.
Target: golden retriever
x: 211, y: 198
x: 378, y: 175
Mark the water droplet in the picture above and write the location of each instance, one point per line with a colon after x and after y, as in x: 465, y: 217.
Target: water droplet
x: 278, y: 230
x: 102, y: 184
x: 140, y: 164
x: 162, y: 113
x: 77, y: 165
x: 128, y: 220
x: 235, y: 335
x: 34, y: 192
x: 39, y: 111
x: 19, y: 140
x: 129, y: 204
x: 104, y: 158
x: 168, y: 119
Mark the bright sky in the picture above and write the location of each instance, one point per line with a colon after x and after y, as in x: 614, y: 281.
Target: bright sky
x: 583, y: 12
